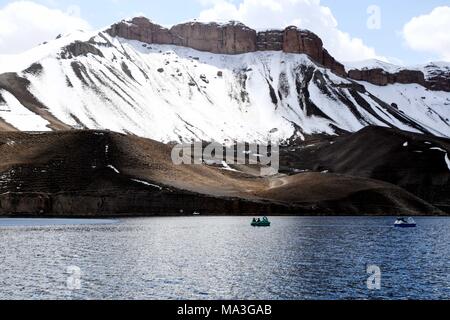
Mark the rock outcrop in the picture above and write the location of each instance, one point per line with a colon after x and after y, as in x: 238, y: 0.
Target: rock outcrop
x: 230, y: 38
x: 437, y: 80
x: 304, y: 41
x: 144, y: 30
x: 79, y: 48
x: 270, y: 40
x: 382, y: 78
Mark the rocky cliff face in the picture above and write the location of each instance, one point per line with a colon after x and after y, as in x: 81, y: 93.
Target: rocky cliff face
x: 142, y: 29
x: 304, y: 41
x: 382, y: 78
x: 270, y: 40
x: 437, y: 80
x: 230, y: 38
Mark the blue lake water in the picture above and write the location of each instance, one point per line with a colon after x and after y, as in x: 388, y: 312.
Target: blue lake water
x: 223, y: 258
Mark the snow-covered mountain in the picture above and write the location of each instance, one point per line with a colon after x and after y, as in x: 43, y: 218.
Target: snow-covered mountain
x: 174, y: 93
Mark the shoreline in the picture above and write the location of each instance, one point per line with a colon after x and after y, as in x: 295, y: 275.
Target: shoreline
x: 138, y: 216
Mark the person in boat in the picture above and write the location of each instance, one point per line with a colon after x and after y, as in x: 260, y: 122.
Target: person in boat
x: 259, y: 220
x: 254, y: 220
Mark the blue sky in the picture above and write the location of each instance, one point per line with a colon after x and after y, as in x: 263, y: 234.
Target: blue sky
x: 394, y: 15
x: 351, y: 16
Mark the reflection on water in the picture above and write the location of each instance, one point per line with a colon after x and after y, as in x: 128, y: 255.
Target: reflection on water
x: 52, y: 222
x: 223, y: 258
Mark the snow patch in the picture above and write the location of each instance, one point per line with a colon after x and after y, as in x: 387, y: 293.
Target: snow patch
x: 372, y: 64
x: 439, y: 149
x: 446, y: 158
x: 114, y: 168
x: 14, y: 113
x: 147, y: 183
x: 227, y: 167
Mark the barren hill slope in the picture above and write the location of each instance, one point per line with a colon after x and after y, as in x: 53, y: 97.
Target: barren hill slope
x: 418, y: 163
x: 104, y: 173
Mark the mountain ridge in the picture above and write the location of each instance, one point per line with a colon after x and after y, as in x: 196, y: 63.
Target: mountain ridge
x: 99, y: 81
x: 236, y: 38
x: 227, y: 38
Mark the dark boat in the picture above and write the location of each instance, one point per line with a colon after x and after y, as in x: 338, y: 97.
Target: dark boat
x: 405, y: 223
x: 261, y: 223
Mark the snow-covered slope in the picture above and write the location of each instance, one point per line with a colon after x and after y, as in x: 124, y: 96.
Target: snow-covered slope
x: 372, y: 64
x: 19, y: 62
x: 171, y: 93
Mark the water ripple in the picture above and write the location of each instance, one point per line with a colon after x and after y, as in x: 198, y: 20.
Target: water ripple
x: 224, y: 258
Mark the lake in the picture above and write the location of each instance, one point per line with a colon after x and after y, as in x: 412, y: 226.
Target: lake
x: 223, y: 258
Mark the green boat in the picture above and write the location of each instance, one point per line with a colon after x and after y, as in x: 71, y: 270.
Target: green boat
x: 261, y: 223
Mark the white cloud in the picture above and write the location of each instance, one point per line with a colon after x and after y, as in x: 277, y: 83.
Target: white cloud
x: 430, y: 32
x: 307, y: 14
x: 25, y: 24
